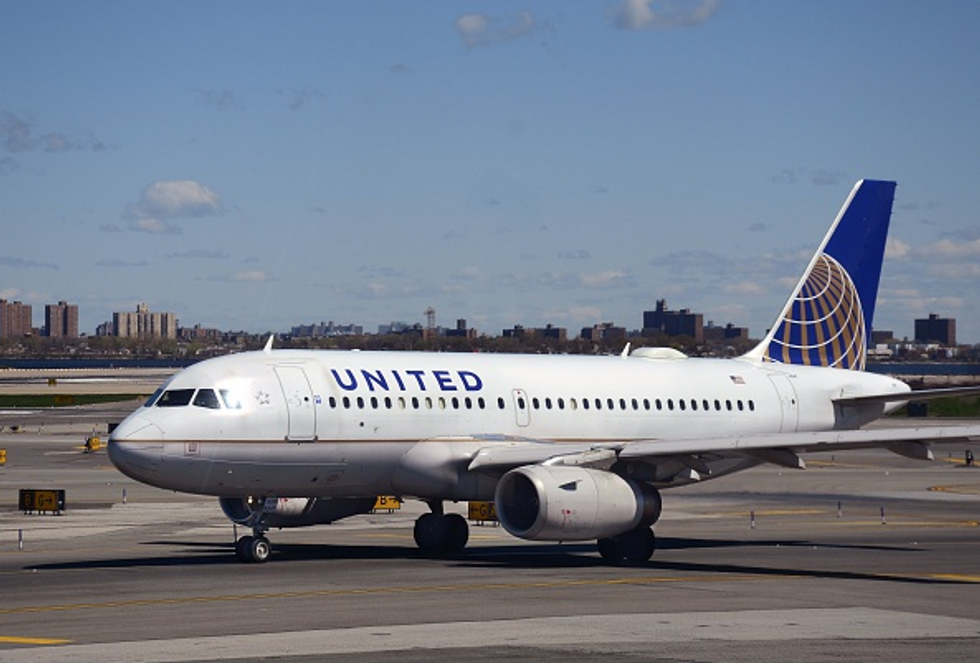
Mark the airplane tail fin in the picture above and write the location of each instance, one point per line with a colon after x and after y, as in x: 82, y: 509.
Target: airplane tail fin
x: 827, y: 320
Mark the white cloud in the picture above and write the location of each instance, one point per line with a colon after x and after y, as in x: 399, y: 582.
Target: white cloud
x: 19, y: 135
x: 611, y: 278
x: 946, y: 249
x: 896, y: 249
x: 744, y: 288
x: 663, y: 14
x: 254, y: 276
x: 154, y: 226
x: 482, y: 30
x: 171, y: 199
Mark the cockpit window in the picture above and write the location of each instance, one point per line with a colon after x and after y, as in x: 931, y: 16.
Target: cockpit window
x: 153, y: 399
x: 231, y: 399
x: 207, y: 398
x: 175, y: 398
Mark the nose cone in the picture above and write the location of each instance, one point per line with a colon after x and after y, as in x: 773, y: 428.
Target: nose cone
x: 136, y: 446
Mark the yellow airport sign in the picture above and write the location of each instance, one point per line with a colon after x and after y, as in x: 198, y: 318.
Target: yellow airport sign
x: 387, y: 503
x: 482, y: 511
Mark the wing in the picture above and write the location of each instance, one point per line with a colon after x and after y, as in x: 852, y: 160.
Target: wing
x: 778, y: 448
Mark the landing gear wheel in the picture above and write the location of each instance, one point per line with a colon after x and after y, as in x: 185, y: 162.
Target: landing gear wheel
x: 435, y: 533
x: 457, y: 532
x: 253, y: 549
x: 427, y: 532
x: 633, y: 547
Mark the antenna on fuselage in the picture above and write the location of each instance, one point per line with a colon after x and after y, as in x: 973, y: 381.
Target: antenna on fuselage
x: 268, y: 344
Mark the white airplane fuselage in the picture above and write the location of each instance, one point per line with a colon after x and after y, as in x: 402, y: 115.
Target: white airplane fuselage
x: 359, y: 424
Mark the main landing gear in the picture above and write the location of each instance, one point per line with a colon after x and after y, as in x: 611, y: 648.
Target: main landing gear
x: 254, y: 549
x: 441, y: 533
x: 633, y: 547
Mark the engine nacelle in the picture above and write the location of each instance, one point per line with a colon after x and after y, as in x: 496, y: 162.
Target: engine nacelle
x: 292, y: 511
x: 561, y: 503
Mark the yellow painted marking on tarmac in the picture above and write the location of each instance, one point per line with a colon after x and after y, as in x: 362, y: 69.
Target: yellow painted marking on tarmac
x: 14, y: 640
x: 958, y: 489
x: 827, y: 463
x: 958, y: 577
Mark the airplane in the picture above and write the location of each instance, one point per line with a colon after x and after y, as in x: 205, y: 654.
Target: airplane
x: 568, y: 448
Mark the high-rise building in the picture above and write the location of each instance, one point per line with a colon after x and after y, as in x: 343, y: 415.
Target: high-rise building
x: 936, y: 330
x: 16, y: 319
x: 144, y: 324
x: 673, y: 323
x: 61, y: 320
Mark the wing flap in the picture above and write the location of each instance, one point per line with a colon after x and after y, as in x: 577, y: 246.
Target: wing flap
x: 804, y: 442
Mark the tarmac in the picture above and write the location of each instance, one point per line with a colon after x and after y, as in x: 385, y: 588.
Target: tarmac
x: 864, y: 556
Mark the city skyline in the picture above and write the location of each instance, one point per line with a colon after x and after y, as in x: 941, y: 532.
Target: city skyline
x: 145, y: 322
x: 511, y: 164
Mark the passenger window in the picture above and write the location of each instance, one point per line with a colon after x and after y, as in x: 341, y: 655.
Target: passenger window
x: 332, y: 402
x: 500, y: 403
x: 681, y: 404
x: 374, y: 402
x: 660, y: 404
x: 207, y: 398
x: 561, y: 404
x: 547, y: 403
x: 415, y: 403
x: 752, y: 406
x: 535, y: 403
x: 175, y: 398
x: 622, y: 403
x: 585, y: 403
x: 740, y: 406
x: 717, y: 405
x: 482, y: 404
x: 694, y: 404
x: 670, y: 404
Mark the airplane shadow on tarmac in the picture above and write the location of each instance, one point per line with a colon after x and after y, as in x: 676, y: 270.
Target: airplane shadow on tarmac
x: 544, y: 556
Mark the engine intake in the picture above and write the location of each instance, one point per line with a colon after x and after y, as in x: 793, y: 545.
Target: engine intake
x: 560, y: 503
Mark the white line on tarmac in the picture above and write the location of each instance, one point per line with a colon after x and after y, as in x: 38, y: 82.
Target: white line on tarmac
x: 743, y: 626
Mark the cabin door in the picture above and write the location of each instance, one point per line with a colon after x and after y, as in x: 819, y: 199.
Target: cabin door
x: 787, y: 402
x: 300, y: 404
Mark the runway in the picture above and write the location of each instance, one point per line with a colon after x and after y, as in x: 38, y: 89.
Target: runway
x: 867, y: 556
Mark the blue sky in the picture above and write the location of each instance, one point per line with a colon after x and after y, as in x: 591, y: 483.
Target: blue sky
x: 257, y: 165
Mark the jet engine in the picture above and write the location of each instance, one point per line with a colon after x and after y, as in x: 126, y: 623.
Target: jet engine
x: 292, y: 511
x: 561, y: 503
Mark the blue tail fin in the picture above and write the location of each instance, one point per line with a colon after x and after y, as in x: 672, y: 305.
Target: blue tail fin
x: 827, y: 320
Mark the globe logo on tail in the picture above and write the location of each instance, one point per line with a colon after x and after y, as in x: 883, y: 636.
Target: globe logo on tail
x: 824, y: 325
